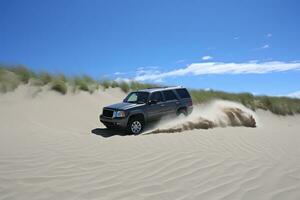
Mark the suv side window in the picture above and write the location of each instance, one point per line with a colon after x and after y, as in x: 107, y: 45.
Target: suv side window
x: 156, y: 96
x: 169, y: 95
x: 183, y: 93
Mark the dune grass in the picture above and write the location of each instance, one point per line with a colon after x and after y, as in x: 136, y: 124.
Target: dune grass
x: 106, y: 83
x: 23, y: 73
x: 83, y: 83
x: 45, y: 78
x: 277, y: 105
x: 200, y: 96
x: 11, y: 76
x: 59, y: 86
x: 8, y: 80
x: 126, y: 86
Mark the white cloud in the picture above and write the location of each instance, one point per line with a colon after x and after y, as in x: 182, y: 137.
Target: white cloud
x: 211, y: 48
x: 294, y: 94
x: 269, y: 35
x: 219, y: 68
x: 180, y: 61
x: 144, y: 70
x: 253, y: 61
x: 265, y: 46
x: 140, y: 72
x: 118, y: 73
x: 207, y: 58
x: 119, y: 79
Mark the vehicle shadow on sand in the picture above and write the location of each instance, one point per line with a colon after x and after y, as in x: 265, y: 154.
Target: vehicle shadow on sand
x: 104, y: 132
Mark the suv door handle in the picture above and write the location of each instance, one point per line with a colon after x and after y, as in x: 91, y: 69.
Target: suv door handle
x: 162, y: 105
x: 177, y: 102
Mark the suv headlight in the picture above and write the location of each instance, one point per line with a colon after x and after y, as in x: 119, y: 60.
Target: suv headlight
x: 119, y: 114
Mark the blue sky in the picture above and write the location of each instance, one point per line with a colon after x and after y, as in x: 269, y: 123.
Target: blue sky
x: 234, y: 46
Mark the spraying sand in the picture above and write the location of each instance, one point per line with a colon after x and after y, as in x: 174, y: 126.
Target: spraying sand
x: 217, y: 113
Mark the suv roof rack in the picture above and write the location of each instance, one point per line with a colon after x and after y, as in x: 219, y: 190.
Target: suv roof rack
x: 158, y: 87
x: 162, y: 87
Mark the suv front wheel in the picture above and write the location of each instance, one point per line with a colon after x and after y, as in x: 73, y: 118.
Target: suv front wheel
x: 135, y: 125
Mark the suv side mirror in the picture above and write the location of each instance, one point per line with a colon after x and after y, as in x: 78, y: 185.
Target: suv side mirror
x: 152, y: 101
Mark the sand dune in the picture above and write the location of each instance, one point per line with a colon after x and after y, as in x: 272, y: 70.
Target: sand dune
x: 47, y: 151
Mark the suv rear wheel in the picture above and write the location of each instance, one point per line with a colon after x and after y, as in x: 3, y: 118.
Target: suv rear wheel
x: 135, y: 125
x: 181, y: 111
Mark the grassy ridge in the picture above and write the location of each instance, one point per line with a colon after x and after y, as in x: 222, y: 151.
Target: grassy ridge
x: 12, y: 76
x: 277, y: 105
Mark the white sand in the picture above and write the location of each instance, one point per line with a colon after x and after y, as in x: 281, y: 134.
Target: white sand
x: 47, y: 151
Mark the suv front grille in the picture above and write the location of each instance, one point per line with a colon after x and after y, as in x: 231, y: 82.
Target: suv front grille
x: 108, y: 113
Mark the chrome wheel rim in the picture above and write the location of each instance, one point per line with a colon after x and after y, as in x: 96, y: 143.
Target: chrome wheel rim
x: 136, y: 127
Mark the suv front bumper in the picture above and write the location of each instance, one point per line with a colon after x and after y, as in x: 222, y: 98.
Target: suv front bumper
x: 116, y: 122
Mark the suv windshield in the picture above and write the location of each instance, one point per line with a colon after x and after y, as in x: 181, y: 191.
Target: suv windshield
x: 137, y: 97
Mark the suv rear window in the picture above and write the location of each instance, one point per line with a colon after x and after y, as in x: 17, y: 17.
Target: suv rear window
x: 169, y: 95
x: 183, y: 93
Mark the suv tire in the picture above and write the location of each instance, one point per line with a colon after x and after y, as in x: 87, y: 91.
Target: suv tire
x: 182, y: 111
x: 135, y: 125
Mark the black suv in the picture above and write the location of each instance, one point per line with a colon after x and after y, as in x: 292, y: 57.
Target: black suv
x: 146, y: 105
